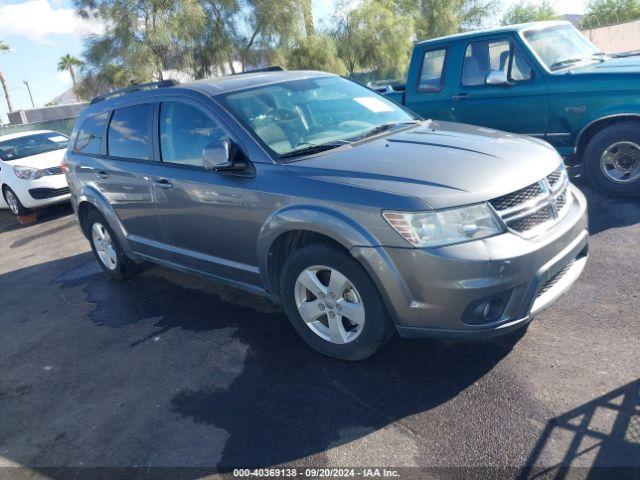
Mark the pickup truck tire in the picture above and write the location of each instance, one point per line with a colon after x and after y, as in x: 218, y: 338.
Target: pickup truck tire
x: 107, y: 250
x: 612, y: 160
x: 344, y: 316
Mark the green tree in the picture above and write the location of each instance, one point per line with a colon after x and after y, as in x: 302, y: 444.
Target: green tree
x: 315, y: 52
x: 437, y: 18
x: 5, y: 48
x: 67, y: 62
x: 528, y: 11
x: 609, y: 12
x: 375, y: 37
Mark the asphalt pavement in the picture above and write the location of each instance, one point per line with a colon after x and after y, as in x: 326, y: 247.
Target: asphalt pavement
x: 171, y: 371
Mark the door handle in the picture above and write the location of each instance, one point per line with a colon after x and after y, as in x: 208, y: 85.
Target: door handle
x: 461, y: 96
x: 163, y: 183
x: 102, y: 174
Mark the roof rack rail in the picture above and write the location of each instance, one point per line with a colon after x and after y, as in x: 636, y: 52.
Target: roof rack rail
x: 135, y: 87
x: 274, y: 68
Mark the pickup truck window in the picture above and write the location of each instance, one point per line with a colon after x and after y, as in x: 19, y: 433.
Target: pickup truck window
x: 498, y: 55
x: 432, y: 71
x: 561, y: 46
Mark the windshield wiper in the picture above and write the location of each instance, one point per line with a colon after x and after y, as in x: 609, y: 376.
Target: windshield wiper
x: 596, y: 56
x: 321, y: 147
x: 384, y: 127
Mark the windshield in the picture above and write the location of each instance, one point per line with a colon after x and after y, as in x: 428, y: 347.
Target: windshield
x: 305, y: 114
x: 29, y: 145
x: 561, y: 46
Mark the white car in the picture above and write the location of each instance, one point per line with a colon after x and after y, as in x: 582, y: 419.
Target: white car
x: 31, y: 174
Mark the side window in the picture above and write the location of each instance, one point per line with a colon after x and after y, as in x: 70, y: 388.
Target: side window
x: 89, y: 138
x: 184, y: 132
x: 432, y: 71
x: 128, y: 135
x: 482, y: 57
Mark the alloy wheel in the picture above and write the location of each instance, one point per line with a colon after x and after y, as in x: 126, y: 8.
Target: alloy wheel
x: 12, y: 201
x: 104, y: 246
x: 329, y: 304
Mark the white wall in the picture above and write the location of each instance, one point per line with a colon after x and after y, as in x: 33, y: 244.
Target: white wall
x: 623, y: 37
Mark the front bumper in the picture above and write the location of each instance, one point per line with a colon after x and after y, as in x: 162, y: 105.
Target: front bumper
x: 44, y: 191
x: 429, y: 292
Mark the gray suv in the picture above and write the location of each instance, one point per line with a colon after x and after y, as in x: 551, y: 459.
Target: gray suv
x: 358, y: 217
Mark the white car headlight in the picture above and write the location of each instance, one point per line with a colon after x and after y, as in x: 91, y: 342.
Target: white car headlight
x: 27, y: 173
x: 445, y: 227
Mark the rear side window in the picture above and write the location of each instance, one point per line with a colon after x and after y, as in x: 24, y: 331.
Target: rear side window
x: 184, y: 132
x: 432, y: 71
x: 128, y: 135
x: 89, y: 139
x: 482, y: 57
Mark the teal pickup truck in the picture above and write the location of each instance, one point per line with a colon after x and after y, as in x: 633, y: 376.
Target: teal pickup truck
x: 542, y: 79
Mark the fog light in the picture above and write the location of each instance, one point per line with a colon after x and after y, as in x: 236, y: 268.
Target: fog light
x: 486, y: 310
x: 491, y: 309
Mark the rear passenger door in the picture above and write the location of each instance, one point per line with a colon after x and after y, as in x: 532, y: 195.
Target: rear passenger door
x: 520, y: 107
x: 203, y: 215
x: 116, y: 152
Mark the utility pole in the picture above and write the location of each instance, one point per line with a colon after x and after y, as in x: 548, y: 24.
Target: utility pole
x: 30, y: 96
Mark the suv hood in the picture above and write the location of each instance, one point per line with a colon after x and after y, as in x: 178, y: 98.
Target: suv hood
x: 444, y: 164
x: 42, y: 160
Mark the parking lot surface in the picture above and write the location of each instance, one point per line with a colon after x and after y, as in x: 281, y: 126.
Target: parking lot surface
x: 169, y: 370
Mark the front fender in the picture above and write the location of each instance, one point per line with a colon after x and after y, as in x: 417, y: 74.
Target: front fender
x: 324, y: 221
x: 93, y: 196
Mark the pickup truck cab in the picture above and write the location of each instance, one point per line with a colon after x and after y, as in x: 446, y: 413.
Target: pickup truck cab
x: 543, y: 79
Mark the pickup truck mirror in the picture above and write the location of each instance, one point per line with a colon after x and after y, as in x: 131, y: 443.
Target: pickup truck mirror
x: 497, y: 77
x: 218, y: 157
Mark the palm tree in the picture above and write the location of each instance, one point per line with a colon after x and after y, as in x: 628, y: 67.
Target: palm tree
x: 67, y: 63
x: 5, y: 48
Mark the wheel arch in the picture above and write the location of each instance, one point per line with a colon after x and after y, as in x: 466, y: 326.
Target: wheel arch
x: 89, y: 199
x: 595, y: 126
x: 293, y: 227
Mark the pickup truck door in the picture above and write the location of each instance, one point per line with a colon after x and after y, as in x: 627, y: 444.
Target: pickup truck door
x: 499, y: 87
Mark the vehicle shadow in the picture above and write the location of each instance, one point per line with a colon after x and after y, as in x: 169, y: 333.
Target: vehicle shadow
x: 8, y: 221
x: 601, y: 435
x: 284, y: 402
x: 606, y: 212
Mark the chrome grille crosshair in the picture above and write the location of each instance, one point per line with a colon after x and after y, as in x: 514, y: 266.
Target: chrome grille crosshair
x: 55, y: 171
x: 535, y: 208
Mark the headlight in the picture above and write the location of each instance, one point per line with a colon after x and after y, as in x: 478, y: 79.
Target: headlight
x: 28, y: 173
x: 444, y: 227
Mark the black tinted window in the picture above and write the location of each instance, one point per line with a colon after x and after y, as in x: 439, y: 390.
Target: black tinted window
x: 184, y: 131
x: 129, y: 132
x: 90, y: 135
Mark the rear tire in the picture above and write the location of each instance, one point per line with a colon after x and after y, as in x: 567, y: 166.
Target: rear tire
x: 105, y: 246
x: 345, y: 316
x: 612, y: 160
x: 13, y: 202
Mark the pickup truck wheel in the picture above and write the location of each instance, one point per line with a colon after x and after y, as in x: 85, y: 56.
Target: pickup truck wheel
x: 106, y: 248
x: 612, y: 160
x: 333, y: 304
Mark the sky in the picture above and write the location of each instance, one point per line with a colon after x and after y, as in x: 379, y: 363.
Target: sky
x: 39, y: 32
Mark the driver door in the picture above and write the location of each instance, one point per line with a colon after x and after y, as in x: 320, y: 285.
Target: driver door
x: 519, y: 107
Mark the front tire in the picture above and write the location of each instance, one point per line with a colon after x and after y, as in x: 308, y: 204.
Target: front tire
x: 333, y: 304
x: 106, y: 248
x: 612, y: 160
x: 14, y: 203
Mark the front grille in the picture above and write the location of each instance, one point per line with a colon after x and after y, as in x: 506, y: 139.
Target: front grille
x: 555, y: 278
x: 534, y: 208
x: 516, y: 198
x: 55, y: 171
x: 43, y: 193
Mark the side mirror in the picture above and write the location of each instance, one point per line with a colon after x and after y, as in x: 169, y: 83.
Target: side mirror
x: 498, y: 78
x: 218, y: 157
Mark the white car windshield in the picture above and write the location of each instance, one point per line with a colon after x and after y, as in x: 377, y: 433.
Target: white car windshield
x: 562, y: 46
x: 303, y: 116
x: 29, y: 145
